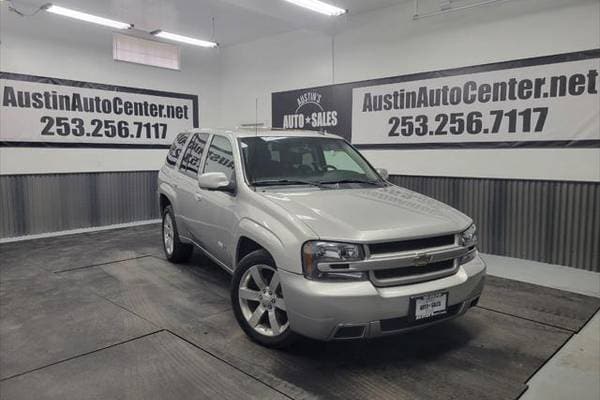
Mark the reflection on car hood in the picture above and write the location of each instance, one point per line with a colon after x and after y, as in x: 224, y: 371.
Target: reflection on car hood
x: 370, y: 214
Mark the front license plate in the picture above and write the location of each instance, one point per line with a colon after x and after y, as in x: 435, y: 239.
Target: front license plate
x: 430, y: 305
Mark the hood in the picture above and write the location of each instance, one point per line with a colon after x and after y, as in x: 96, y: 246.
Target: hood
x: 370, y: 214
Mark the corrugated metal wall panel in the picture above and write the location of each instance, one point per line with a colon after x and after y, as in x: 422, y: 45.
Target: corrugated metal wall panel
x: 32, y: 204
x: 548, y: 221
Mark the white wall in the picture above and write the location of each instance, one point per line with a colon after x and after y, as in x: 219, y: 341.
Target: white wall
x: 50, y: 46
x: 383, y: 43
x: 389, y: 42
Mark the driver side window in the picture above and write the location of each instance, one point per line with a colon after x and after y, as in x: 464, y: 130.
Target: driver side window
x: 220, y: 157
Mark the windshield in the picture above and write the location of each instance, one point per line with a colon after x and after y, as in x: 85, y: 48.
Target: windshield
x: 304, y: 160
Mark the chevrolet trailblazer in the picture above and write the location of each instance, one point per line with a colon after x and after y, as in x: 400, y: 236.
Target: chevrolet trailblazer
x: 319, y: 243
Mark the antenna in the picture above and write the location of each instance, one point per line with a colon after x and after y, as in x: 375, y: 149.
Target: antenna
x: 333, y: 58
x: 256, y: 118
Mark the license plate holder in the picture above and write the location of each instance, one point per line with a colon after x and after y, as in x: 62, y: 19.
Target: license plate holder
x: 428, y: 306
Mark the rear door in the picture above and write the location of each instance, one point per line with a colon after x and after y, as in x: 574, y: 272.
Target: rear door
x: 169, y: 174
x: 187, y: 183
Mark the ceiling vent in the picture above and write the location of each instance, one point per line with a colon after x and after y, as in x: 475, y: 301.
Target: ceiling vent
x: 147, y: 52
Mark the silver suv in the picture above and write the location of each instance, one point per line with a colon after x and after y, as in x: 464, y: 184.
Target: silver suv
x: 318, y: 242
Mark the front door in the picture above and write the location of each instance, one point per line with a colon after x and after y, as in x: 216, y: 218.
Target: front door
x: 216, y: 221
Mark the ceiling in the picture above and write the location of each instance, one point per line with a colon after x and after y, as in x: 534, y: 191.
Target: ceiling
x: 236, y: 21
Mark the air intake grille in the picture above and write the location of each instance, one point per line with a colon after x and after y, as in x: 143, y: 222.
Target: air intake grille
x: 350, y: 332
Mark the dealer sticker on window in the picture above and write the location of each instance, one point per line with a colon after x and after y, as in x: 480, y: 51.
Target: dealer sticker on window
x: 430, y: 305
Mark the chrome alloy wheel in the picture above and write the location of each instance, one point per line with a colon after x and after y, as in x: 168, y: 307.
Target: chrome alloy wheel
x: 168, y: 234
x: 261, y: 300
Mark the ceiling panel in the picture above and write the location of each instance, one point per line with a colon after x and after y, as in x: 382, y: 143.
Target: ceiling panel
x: 236, y: 21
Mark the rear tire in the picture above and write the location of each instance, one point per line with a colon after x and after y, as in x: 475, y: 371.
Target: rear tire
x: 175, y: 250
x: 258, y: 303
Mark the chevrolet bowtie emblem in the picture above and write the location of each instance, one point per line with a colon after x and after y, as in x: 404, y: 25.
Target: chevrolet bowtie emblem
x: 422, y: 259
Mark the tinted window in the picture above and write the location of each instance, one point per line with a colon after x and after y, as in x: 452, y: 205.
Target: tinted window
x: 176, y: 147
x: 220, y: 157
x: 190, y: 163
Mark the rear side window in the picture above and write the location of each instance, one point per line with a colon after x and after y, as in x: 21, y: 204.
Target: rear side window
x: 220, y: 157
x: 176, y: 148
x: 190, y: 163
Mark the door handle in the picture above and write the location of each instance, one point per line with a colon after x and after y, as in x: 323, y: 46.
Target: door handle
x: 198, y: 196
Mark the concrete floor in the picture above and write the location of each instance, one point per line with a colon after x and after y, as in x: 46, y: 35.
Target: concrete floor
x: 103, y: 315
x: 542, y: 274
x: 574, y: 371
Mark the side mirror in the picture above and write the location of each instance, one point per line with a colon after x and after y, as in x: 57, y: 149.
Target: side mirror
x: 383, y: 173
x: 215, y: 181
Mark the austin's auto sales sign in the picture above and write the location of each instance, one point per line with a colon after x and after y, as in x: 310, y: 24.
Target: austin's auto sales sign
x: 310, y: 113
x: 549, y: 101
x: 48, y: 111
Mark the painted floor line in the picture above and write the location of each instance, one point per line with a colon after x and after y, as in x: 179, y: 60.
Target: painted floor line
x: 81, y: 355
x: 527, y: 319
x: 101, y: 264
x: 229, y: 363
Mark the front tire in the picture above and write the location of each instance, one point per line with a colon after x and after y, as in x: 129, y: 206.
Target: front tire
x: 175, y: 250
x: 258, y: 303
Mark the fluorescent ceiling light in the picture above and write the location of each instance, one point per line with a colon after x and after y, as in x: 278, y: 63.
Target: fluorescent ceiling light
x: 184, y: 39
x: 86, y: 17
x: 320, y: 7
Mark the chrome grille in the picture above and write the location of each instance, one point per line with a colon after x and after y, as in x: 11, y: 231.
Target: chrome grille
x: 416, y: 260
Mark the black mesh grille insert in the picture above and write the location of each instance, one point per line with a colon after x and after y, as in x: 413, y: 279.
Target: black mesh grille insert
x: 383, y: 274
x: 409, y: 245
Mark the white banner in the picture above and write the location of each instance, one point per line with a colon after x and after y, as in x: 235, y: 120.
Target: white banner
x: 38, y: 111
x: 556, y: 102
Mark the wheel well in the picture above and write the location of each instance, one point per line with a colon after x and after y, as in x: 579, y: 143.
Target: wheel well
x: 245, y: 247
x: 163, y: 203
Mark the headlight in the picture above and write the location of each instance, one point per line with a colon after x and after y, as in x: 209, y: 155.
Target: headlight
x: 315, y: 253
x: 469, y: 237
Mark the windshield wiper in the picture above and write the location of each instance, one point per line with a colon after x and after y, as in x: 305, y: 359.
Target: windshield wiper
x: 277, y: 182
x: 375, y: 183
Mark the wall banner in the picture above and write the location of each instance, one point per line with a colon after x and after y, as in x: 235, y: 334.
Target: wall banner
x: 49, y: 112
x: 550, y: 101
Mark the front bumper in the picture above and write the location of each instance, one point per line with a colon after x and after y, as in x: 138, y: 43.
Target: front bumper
x: 342, y: 310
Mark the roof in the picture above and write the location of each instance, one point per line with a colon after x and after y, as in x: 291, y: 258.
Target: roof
x: 250, y: 132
